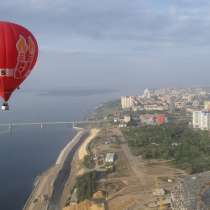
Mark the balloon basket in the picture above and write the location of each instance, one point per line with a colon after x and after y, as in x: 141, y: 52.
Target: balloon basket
x: 5, y: 107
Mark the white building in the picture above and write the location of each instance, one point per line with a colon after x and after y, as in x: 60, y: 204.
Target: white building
x: 156, y: 107
x: 127, y: 118
x: 207, y: 105
x: 126, y: 102
x: 110, y: 157
x: 147, y: 94
x: 196, y: 119
x: 201, y: 120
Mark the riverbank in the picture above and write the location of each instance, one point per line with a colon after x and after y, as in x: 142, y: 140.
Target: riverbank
x: 77, y: 166
x: 49, y: 185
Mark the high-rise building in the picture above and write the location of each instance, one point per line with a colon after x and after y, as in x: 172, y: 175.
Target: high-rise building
x: 196, y: 119
x: 207, y: 105
x: 126, y: 102
x: 201, y: 120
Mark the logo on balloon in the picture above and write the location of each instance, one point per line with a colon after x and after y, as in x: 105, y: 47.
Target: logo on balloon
x: 25, y: 57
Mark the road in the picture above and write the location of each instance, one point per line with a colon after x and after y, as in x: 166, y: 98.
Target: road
x: 50, y: 184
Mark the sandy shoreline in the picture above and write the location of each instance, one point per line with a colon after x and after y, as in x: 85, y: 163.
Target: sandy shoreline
x: 47, y: 183
x: 83, y: 148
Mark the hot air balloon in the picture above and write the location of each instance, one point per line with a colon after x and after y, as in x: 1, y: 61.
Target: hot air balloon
x: 18, y: 55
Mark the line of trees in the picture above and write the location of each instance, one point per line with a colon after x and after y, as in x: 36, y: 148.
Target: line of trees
x: 189, y: 149
x: 86, y: 185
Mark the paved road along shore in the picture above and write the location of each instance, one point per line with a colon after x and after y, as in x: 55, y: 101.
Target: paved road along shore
x: 49, y: 186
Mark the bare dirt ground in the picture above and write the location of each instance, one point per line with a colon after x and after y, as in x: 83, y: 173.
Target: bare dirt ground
x: 132, y: 186
x: 83, y: 149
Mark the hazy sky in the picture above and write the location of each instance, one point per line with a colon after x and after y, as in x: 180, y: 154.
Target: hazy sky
x: 121, y: 43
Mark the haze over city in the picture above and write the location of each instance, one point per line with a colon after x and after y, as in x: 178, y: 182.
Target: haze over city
x: 121, y: 43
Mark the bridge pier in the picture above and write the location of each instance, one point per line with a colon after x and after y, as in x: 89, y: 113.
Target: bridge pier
x: 10, y: 128
x: 74, y: 124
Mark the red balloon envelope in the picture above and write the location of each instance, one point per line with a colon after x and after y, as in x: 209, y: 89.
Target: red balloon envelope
x: 18, y: 55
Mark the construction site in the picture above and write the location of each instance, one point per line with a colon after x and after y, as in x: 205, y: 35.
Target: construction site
x: 192, y: 193
x: 127, y: 182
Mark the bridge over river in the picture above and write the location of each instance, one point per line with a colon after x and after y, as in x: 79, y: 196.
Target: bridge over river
x: 48, y: 123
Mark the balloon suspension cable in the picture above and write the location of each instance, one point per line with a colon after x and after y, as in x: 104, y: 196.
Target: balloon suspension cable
x: 5, y: 106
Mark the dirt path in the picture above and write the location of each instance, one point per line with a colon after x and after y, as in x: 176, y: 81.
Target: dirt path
x: 141, y: 182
